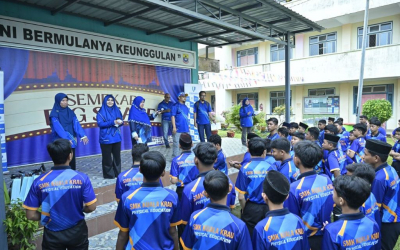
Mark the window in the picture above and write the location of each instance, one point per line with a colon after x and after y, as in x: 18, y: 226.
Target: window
x: 377, y: 35
x: 253, y: 98
x: 278, y: 52
x: 278, y: 98
x: 373, y: 92
x: 247, y: 57
x: 323, y: 44
x: 321, y: 92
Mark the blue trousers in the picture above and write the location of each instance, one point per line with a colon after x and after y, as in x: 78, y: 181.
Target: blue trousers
x: 201, y: 128
x: 166, y: 127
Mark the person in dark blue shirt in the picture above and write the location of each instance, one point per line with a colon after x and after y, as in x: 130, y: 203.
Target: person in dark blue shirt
x: 395, y: 152
x: 353, y: 230
x: 215, y: 227
x: 310, y: 196
x: 284, y: 162
x: 303, y: 127
x: 63, y: 195
x: 334, y: 159
x: 220, y: 164
x: 202, y: 116
x: 356, y: 150
x: 180, y: 121
x: 374, y: 125
x: 272, y: 124
x: 280, y: 229
x: 246, y: 113
x: 148, y: 209
x: 165, y: 108
x: 321, y: 127
x: 249, y: 184
x: 386, y: 190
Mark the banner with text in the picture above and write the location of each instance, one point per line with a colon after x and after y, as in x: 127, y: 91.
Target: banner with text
x: 25, y: 34
x: 192, y: 90
x: 2, y: 125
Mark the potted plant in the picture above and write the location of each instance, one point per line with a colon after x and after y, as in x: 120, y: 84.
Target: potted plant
x: 230, y: 133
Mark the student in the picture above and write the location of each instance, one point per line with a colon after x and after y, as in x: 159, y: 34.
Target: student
x: 374, y: 125
x: 353, y: 229
x: 275, y: 231
x: 220, y: 164
x: 193, y: 198
x: 370, y: 207
x: 247, y: 156
x: 344, y: 136
x: 286, y: 125
x: 331, y: 129
x: 63, y: 208
x: 351, y: 140
x: 284, y: 162
x: 269, y: 157
x: 331, y: 120
x: 364, y: 120
x: 314, y: 207
x: 356, y: 150
x: 148, y: 209
x: 395, y: 152
x: 293, y: 128
x: 394, y: 132
x: 283, y: 133
x: 214, y: 227
x: 334, y: 162
x: 302, y: 127
x: 249, y: 183
x: 296, y: 137
x: 386, y: 190
x: 321, y: 127
x: 272, y: 124
x: 312, y: 135
x: 183, y: 170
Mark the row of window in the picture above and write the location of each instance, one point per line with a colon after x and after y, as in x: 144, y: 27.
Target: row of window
x: 377, y: 35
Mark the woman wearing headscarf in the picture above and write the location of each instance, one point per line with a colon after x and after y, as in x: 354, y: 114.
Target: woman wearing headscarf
x: 109, y: 119
x: 246, y: 113
x: 139, y: 122
x: 64, y: 124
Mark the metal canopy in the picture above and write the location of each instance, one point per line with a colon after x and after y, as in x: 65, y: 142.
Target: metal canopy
x: 211, y: 22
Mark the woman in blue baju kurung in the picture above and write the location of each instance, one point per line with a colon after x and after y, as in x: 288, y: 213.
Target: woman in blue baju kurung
x: 139, y: 122
x: 109, y: 119
x: 246, y: 113
x: 65, y: 125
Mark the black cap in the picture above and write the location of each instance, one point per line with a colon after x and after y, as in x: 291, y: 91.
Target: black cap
x: 303, y: 125
x: 251, y: 136
x: 378, y: 146
x: 185, y: 140
x: 331, y: 138
x: 286, y: 124
x: 277, y: 183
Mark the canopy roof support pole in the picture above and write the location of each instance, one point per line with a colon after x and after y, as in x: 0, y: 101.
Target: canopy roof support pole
x: 287, y: 78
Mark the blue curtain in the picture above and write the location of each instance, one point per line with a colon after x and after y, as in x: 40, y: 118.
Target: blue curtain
x: 172, y: 80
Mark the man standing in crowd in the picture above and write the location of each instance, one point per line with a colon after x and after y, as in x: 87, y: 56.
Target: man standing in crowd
x: 272, y: 124
x: 180, y: 121
x: 63, y: 206
x: 165, y: 108
x: 202, y: 115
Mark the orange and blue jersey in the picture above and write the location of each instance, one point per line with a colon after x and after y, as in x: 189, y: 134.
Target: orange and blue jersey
x: 280, y: 230
x: 352, y: 231
x: 396, y: 149
x: 146, y: 210
x: 344, y: 140
x: 251, y: 177
x: 220, y: 164
x: 378, y: 136
x: 62, y: 193
x: 273, y: 137
x: 183, y: 168
x: 130, y: 179
x: 358, y: 147
x: 215, y: 228
x: 310, y: 198
x: 371, y: 209
x: 193, y: 197
x: 334, y: 160
x: 385, y: 187
x: 288, y: 169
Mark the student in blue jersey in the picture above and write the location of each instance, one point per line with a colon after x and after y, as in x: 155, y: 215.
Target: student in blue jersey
x: 132, y: 178
x: 109, y: 119
x: 220, y: 164
x: 364, y: 120
x: 296, y: 137
x: 381, y: 130
x: 394, y: 132
x: 214, y: 227
x: 284, y: 162
x: 180, y: 121
x: 283, y: 133
x: 344, y: 136
x: 310, y: 196
x: 246, y: 113
x: 280, y: 229
x: 272, y: 125
x: 268, y: 157
x: 351, y: 140
x: 312, y: 135
x: 147, y: 217
x: 249, y: 184
x: 247, y: 156
x: 202, y: 116
x: 374, y: 125
x: 321, y: 127
x: 303, y: 127
x: 370, y: 207
x: 293, y: 128
x: 164, y: 108
x: 386, y: 190
x: 331, y: 120
x: 334, y: 159
x: 395, y: 152
x: 64, y: 195
x: 65, y: 125
x: 356, y: 150
x: 193, y: 197
x: 353, y: 230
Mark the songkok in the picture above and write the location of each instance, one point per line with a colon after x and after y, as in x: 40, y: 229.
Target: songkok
x: 378, y: 146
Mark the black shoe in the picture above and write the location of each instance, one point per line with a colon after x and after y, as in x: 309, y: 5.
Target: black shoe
x: 168, y: 146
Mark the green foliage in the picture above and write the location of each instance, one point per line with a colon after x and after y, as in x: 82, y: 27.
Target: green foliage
x: 6, y: 196
x: 233, y: 117
x: 378, y: 108
x: 19, y: 229
x: 259, y: 119
x: 280, y: 110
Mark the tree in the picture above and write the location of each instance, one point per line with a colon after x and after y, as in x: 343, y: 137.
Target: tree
x: 382, y: 109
